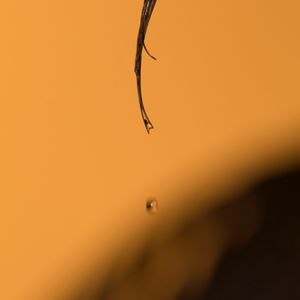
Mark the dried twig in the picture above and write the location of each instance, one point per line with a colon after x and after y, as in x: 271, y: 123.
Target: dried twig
x: 145, y: 18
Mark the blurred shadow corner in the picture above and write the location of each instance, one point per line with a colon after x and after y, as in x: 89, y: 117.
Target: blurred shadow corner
x: 269, y: 267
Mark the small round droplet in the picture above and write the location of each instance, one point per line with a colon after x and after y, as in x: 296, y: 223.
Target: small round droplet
x: 152, y: 205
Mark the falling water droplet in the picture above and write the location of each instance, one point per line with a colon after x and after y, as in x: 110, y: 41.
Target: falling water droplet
x: 152, y: 205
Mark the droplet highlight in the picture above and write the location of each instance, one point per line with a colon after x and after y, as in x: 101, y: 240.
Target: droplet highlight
x: 152, y: 205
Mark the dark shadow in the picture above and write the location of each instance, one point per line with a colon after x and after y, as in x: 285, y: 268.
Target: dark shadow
x: 269, y: 267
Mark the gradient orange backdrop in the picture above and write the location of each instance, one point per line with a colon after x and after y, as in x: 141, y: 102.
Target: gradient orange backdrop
x: 76, y: 162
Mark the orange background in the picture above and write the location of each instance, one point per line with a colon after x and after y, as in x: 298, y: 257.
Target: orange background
x: 76, y: 161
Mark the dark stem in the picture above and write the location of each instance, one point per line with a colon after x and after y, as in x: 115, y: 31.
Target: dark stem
x: 145, y: 18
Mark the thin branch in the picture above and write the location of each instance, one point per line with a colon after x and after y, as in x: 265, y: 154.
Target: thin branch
x: 145, y: 18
